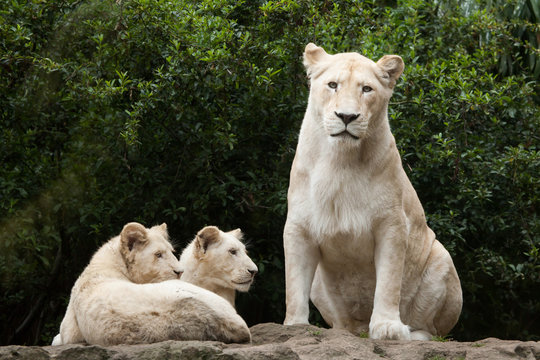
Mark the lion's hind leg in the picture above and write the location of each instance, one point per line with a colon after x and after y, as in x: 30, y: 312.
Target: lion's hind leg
x: 420, y: 335
x: 335, y: 312
x: 449, y: 312
x: 69, y: 329
x: 436, y: 307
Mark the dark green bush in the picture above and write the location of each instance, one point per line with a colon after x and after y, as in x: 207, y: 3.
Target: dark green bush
x: 188, y: 113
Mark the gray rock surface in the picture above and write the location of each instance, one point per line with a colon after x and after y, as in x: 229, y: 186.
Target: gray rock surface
x: 274, y: 341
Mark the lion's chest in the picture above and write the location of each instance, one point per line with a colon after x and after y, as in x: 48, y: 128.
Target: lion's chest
x: 341, y: 201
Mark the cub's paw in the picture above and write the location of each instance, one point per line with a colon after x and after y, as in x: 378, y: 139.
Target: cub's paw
x: 57, y: 340
x: 389, y: 330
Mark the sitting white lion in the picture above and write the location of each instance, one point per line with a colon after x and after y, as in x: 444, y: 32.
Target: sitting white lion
x: 356, y: 239
x: 130, y: 293
x: 218, y: 261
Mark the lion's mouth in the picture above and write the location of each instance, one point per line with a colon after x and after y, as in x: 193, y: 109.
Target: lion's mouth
x: 243, y: 283
x: 344, y: 133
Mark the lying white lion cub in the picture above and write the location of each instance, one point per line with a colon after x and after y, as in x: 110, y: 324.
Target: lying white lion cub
x: 218, y: 261
x: 121, y: 297
x: 356, y: 237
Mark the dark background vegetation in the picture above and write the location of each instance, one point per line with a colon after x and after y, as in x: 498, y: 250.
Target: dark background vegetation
x: 187, y: 112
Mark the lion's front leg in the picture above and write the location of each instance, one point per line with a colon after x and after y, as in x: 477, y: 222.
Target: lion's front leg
x: 301, y: 259
x: 390, y: 249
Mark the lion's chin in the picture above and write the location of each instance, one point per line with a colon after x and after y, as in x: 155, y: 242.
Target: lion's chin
x: 242, y: 286
x: 347, y: 139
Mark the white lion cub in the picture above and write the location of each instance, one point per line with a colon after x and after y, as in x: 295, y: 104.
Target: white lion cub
x: 130, y: 293
x: 218, y: 261
x: 356, y: 239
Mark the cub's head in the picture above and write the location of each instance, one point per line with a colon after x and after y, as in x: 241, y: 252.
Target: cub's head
x: 218, y: 260
x: 148, y: 254
x: 349, y: 93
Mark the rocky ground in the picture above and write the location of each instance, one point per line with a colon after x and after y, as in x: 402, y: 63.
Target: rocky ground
x: 273, y: 341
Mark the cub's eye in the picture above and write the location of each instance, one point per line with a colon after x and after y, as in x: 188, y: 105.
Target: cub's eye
x: 233, y: 251
x: 332, y: 85
x: 158, y: 255
x: 367, y: 89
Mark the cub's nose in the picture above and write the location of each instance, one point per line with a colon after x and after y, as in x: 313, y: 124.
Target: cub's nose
x: 347, y: 118
x: 178, y: 273
x: 253, y: 272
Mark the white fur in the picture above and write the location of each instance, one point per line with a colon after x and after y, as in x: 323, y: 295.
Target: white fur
x: 127, y: 294
x: 218, y: 261
x: 356, y: 240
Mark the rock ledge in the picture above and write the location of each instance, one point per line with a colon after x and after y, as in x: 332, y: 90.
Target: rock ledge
x: 274, y: 341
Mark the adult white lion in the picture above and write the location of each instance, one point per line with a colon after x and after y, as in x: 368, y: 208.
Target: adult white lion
x: 218, y: 261
x: 356, y: 237
x: 126, y: 296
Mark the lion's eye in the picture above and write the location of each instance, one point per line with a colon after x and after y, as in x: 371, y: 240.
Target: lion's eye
x: 158, y: 255
x: 233, y: 251
x: 367, y: 89
x: 332, y: 85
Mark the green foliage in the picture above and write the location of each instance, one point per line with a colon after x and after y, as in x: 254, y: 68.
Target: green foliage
x: 364, y: 335
x: 441, y: 338
x: 188, y: 113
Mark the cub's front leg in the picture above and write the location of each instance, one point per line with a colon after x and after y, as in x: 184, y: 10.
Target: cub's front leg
x: 301, y: 259
x: 389, y: 256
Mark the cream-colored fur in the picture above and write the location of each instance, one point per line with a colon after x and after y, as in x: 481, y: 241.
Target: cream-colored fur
x: 218, y: 261
x: 130, y: 293
x: 356, y: 238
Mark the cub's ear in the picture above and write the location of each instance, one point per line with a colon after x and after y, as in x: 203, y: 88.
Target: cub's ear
x: 312, y: 55
x: 237, y: 233
x: 133, y: 235
x: 392, y: 66
x: 206, y: 237
x: 163, y: 229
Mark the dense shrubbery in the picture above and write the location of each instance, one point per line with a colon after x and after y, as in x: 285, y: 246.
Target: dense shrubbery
x: 188, y: 112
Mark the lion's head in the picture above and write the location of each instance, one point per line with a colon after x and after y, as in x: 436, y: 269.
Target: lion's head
x: 349, y: 93
x: 217, y: 259
x: 148, y: 254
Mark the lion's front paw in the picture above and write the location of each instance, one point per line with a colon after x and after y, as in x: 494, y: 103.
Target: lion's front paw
x: 389, y: 330
x: 294, y: 320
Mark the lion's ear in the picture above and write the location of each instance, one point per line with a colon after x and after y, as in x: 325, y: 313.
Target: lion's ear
x: 237, y: 233
x: 312, y: 55
x: 392, y: 66
x: 206, y: 237
x: 133, y: 235
x: 163, y: 229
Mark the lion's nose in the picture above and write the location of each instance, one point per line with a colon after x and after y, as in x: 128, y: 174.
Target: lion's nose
x: 347, y: 118
x: 253, y: 272
x: 178, y: 272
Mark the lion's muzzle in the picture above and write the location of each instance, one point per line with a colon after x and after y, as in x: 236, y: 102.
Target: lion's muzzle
x: 346, y: 118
